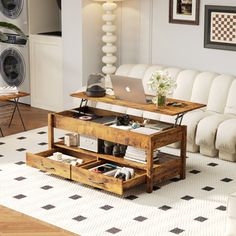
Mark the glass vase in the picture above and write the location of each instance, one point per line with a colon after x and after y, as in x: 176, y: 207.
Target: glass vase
x: 161, y: 101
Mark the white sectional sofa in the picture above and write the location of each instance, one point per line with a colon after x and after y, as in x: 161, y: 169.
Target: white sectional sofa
x: 211, y: 130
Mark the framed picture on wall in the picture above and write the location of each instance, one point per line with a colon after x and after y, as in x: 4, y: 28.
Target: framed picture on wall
x: 184, y: 11
x: 220, y: 27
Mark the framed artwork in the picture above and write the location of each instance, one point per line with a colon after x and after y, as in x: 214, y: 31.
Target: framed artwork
x: 220, y: 27
x: 184, y: 11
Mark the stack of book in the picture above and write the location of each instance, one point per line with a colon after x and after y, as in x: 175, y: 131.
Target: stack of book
x: 137, y: 154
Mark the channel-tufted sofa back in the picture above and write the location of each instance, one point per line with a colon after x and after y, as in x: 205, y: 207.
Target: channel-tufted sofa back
x: 208, y: 88
x: 214, y: 90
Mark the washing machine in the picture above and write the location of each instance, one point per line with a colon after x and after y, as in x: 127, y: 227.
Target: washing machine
x: 15, y: 12
x: 14, y: 64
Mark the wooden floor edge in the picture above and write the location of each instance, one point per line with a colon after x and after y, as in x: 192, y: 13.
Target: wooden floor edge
x: 9, y: 218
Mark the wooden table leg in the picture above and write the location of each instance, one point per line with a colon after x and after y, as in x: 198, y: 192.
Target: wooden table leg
x: 149, y: 186
x: 50, y: 131
x: 183, y: 152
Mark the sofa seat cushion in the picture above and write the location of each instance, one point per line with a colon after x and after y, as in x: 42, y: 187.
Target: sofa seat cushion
x: 207, y: 128
x: 191, y: 120
x: 226, y: 136
x: 227, y: 156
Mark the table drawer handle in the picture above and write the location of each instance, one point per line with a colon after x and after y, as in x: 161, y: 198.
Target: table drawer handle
x: 47, y: 168
x: 95, y: 182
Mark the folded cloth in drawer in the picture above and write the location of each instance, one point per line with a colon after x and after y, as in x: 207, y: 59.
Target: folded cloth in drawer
x: 57, y: 156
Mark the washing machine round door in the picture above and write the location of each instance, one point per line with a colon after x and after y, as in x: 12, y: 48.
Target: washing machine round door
x: 12, y: 67
x: 11, y: 8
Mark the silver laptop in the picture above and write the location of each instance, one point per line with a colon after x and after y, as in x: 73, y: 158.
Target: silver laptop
x: 129, y: 89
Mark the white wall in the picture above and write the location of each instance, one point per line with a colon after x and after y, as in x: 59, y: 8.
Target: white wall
x: 128, y: 32
x: 182, y: 45
x: 169, y: 44
x: 81, y: 30
x: 72, y: 48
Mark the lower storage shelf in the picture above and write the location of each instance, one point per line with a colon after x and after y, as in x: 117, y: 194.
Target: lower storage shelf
x: 84, y: 175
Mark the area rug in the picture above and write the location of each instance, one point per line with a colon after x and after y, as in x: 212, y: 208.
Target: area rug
x: 194, y: 206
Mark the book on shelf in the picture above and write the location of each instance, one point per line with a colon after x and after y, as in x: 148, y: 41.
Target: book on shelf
x: 140, y: 161
x: 139, y: 154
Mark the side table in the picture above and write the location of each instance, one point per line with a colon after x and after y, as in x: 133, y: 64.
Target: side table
x: 15, y: 99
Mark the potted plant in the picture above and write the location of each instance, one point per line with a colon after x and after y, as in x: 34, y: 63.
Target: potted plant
x: 162, y: 84
x: 9, y: 26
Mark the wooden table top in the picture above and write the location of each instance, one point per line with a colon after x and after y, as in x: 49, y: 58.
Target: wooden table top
x: 13, y: 96
x: 167, y: 110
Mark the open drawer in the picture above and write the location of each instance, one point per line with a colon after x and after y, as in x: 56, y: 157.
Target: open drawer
x: 40, y: 161
x: 83, y: 175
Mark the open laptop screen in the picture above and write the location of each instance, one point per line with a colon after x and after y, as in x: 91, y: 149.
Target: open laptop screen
x: 128, y: 88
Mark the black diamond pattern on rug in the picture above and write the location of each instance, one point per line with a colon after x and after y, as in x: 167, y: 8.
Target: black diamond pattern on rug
x: 1, y: 155
x: 48, y: 207
x: 20, y: 163
x: 106, y: 207
x: 75, y: 197
x: 42, y: 132
x: 175, y: 179
x: 187, y: 198
x: 21, y: 138
x: 19, y: 196
x: 140, y: 218
x: 208, y: 188
x: 226, y: 180
x: 46, y: 187
x: 165, y: 208
x: 177, y: 231
x: 20, y: 178
x: 113, y: 230
x: 200, y: 219
x: 155, y: 188
x: 131, y: 197
x: 221, y: 208
x: 79, y: 218
x: 212, y: 164
x: 42, y: 144
x: 21, y: 149
x: 1, y: 143
x: 194, y: 172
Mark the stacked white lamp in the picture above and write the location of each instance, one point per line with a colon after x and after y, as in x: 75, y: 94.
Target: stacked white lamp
x: 109, y: 38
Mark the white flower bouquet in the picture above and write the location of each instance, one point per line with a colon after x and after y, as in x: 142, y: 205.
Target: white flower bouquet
x: 162, y: 84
